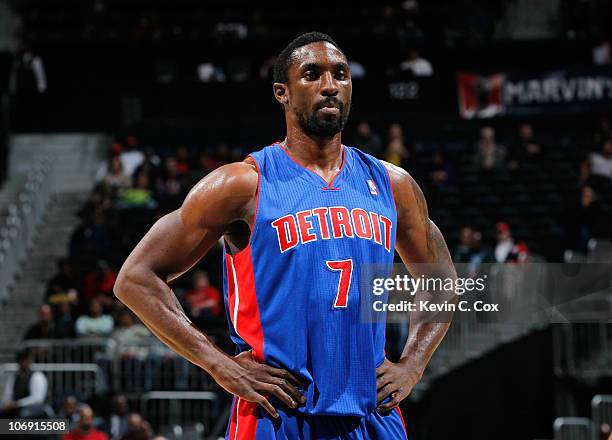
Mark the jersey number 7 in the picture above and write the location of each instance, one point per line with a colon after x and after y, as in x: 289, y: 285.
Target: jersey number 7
x: 345, y: 267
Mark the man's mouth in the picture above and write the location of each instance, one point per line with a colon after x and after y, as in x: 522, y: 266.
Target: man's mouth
x: 331, y: 110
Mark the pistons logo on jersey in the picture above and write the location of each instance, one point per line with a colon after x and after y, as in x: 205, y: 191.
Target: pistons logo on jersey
x: 335, y: 222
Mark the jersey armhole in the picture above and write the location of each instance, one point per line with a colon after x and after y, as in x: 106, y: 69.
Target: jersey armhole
x: 390, y: 185
x: 252, y: 232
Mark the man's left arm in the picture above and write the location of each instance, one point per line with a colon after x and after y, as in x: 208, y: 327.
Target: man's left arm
x: 423, y: 250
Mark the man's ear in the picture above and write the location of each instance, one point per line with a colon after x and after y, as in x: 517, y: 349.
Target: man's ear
x: 281, y: 93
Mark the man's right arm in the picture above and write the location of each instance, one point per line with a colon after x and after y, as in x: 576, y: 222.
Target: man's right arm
x: 173, y: 245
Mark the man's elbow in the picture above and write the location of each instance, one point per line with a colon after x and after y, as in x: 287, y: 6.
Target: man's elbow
x: 121, y: 288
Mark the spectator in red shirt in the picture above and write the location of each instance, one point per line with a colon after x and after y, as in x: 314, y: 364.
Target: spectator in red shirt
x: 182, y: 159
x: 204, y: 300
x: 85, y: 430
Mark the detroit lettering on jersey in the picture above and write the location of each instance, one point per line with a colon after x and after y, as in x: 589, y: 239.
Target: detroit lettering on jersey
x: 335, y: 222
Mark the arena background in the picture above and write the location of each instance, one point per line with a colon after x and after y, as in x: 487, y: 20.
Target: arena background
x: 111, y: 110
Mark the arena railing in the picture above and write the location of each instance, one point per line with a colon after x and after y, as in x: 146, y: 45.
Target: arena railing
x: 18, y: 229
x: 81, y: 380
x: 65, y: 350
x: 584, y: 349
x: 572, y: 428
x: 601, y: 412
x: 145, y: 367
x: 167, y: 408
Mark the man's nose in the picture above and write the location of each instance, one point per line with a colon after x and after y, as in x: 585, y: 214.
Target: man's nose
x: 328, y: 85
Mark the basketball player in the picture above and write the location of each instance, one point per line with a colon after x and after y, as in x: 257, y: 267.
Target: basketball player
x: 298, y: 219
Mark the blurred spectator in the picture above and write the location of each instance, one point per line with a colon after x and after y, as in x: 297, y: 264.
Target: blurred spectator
x: 230, y: 30
x: 114, y: 178
x: 442, y: 173
x: 129, y: 337
x: 209, y: 72
x: 357, y: 69
x: 202, y: 169
x: 602, y: 54
x: 93, y: 238
x: 140, y: 196
x: 131, y: 156
x: 527, y: 149
x: 489, y: 154
x: 170, y: 185
x: 387, y: 25
x: 416, y: 64
x: 585, y: 219
x: 182, y: 159
x: 267, y: 68
x: 397, y: 152
x: 463, y: 251
x: 117, y: 423
x: 27, y: 72
x: 137, y: 428
x: 44, y: 327
x: 519, y: 253
x: 25, y: 391
x: 204, y: 300
x: 99, y: 283
x: 85, y: 430
x: 603, y: 131
x: 601, y: 163
x: 479, y: 254
x: 64, y: 286
x: 96, y: 323
x: 505, y: 242
x: 149, y: 166
x: 68, y: 410
x: 64, y: 321
x: 367, y: 140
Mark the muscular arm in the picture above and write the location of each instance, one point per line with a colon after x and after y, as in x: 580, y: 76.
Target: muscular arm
x: 172, y: 246
x: 423, y: 250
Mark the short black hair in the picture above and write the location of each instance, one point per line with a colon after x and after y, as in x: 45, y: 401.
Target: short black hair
x: 22, y: 354
x: 283, y: 61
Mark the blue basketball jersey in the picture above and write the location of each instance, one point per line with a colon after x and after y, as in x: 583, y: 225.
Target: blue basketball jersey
x: 293, y: 294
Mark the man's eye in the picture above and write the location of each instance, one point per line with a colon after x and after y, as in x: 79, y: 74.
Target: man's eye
x: 310, y: 76
x: 341, y: 75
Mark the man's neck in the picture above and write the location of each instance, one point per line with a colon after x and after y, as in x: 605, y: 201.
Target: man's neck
x: 324, y: 155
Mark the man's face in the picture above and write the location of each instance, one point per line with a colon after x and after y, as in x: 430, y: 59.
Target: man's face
x: 319, y: 89
x: 86, y: 419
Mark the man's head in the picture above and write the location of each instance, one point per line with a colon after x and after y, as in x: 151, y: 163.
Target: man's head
x: 24, y: 360
x: 95, y: 308
x: 526, y: 132
x: 86, y: 416
x: 313, y: 83
x: 487, y: 134
x: 134, y: 422
x: 45, y: 314
x: 503, y: 231
x: 466, y: 235
x: 69, y: 405
x: 120, y: 404
x: 126, y: 319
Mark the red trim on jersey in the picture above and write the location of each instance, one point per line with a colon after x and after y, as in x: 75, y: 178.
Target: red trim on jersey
x: 246, y: 318
x: 243, y: 424
x: 330, y: 185
x: 402, y: 419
